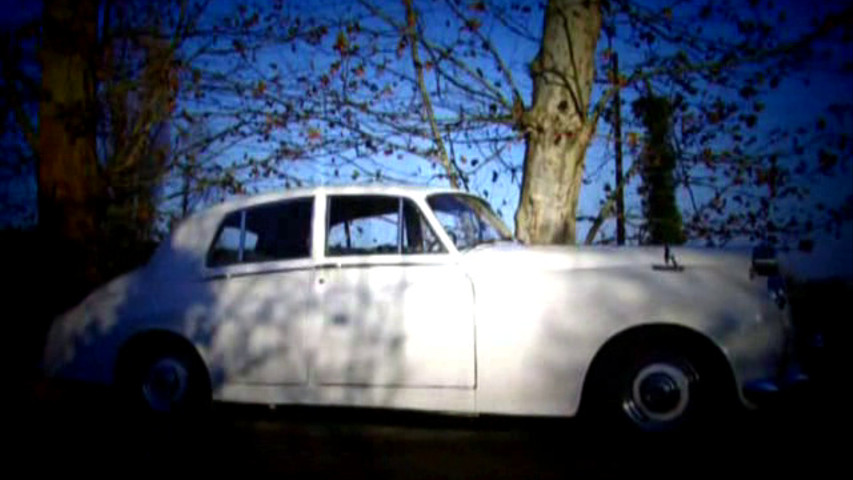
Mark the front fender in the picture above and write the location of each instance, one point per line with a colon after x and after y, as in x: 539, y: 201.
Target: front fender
x: 538, y: 332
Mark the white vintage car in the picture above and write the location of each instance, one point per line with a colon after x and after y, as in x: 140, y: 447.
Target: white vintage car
x: 419, y: 298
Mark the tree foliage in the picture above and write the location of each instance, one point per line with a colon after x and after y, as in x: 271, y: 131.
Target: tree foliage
x: 160, y: 107
x: 657, y: 163
x: 744, y: 170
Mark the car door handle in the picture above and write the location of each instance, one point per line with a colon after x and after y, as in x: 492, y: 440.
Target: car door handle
x: 338, y: 320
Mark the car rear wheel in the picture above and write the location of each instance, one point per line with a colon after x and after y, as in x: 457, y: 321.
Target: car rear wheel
x: 165, y: 380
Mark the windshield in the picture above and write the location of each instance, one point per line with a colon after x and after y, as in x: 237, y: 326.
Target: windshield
x: 467, y: 220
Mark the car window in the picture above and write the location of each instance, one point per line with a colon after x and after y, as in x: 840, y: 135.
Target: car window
x: 370, y: 225
x: 362, y: 225
x: 418, y: 236
x: 226, y: 248
x: 277, y: 231
x: 467, y: 220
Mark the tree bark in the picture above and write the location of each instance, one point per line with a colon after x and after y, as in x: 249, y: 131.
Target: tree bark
x: 558, y: 125
x: 68, y: 180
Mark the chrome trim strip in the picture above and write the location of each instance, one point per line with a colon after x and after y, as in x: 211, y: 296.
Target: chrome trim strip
x: 325, y: 265
x: 393, y: 385
x: 328, y: 264
x: 269, y: 271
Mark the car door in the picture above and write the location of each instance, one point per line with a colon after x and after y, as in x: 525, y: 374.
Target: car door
x: 396, y: 309
x: 260, y: 271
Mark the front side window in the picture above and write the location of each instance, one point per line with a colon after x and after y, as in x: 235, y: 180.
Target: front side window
x: 467, y: 220
x: 277, y: 231
x: 374, y: 224
x: 418, y: 236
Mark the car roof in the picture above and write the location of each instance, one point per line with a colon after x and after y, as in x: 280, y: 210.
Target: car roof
x: 362, y: 189
x: 183, y: 253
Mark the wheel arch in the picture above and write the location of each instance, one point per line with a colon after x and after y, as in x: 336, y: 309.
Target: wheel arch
x: 141, y: 341
x: 662, y: 334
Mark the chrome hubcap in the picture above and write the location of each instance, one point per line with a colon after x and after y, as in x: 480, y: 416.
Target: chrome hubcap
x: 165, y: 384
x: 660, y: 392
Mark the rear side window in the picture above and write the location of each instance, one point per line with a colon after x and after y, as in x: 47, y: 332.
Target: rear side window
x: 278, y: 231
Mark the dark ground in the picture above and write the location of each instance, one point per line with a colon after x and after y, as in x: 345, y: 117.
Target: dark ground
x: 85, y: 433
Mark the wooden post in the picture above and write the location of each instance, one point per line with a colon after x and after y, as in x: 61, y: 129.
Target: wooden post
x: 617, y: 133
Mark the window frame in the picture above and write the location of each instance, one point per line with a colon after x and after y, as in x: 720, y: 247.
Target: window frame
x: 325, y: 227
x: 476, y: 199
x: 243, y: 212
x: 208, y: 256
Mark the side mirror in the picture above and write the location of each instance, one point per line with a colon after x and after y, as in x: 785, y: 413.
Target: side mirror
x: 764, y: 261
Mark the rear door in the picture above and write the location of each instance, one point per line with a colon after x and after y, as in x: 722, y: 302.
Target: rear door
x: 259, y: 271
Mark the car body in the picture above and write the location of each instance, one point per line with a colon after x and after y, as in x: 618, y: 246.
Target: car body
x: 418, y: 298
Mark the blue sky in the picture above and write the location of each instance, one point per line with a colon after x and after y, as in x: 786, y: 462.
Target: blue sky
x: 794, y: 101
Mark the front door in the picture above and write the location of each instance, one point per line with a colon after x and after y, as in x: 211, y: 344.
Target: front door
x: 397, y: 311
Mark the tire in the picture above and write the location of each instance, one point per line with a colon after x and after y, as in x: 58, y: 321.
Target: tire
x: 166, y: 381
x: 661, y: 389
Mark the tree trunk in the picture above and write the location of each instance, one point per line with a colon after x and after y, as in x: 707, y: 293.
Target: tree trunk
x: 68, y: 180
x: 558, y: 125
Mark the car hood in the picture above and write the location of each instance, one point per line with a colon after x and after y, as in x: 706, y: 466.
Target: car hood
x: 560, y: 257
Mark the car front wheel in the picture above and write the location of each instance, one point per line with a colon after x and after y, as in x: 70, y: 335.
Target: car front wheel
x: 653, y: 389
